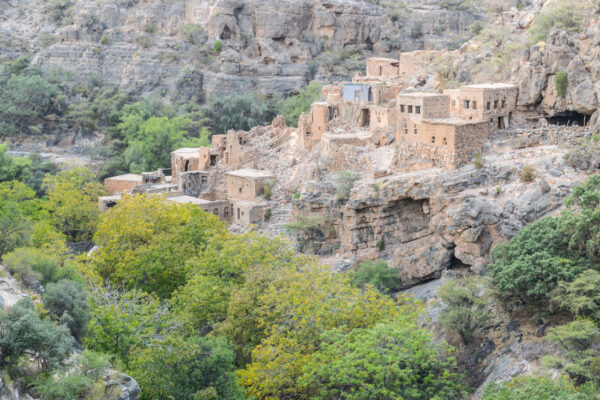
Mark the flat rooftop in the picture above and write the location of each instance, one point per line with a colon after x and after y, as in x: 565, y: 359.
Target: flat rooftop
x: 419, y: 94
x: 183, y: 199
x: 382, y: 59
x: 251, y: 173
x: 188, y: 150
x: 499, y: 85
x: 453, y: 121
x: 126, y: 177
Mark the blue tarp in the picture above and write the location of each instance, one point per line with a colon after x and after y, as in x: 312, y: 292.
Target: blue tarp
x: 357, y: 92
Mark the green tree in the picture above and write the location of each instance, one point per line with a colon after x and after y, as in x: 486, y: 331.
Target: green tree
x: 147, y: 242
x: 539, y: 388
x: 378, y: 274
x: 196, y: 368
x: 238, y: 112
x: 122, y: 321
x: 23, y: 333
x: 293, y: 106
x: 466, y: 309
x: 387, y: 361
x: 38, y: 264
x: 72, y: 202
x: 580, y: 297
x: 68, y: 302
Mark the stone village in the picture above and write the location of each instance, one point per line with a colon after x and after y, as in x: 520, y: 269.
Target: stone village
x: 443, y: 130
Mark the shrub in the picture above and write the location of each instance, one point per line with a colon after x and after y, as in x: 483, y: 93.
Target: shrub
x: 527, y: 174
x: 49, y: 345
x: 268, y: 215
x: 380, y: 245
x: 193, y: 34
x: 46, y: 39
x: 68, y: 303
x: 478, y: 161
x: 395, y: 16
x: 466, y: 309
x: 580, y: 297
x: 561, y: 14
x: 532, y: 264
x: 560, y: 81
x: 378, y: 274
x: 143, y: 41
x: 307, y: 230
x: 476, y: 28
x: 31, y: 264
x: 105, y: 40
x: 149, y: 27
x: 218, y: 46
x: 576, y: 340
x: 267, y: 190
x: 293, y: 106
x: 344, y: 181
x: 61, y: 11
x: 584, y: 154
x: 539, y: 388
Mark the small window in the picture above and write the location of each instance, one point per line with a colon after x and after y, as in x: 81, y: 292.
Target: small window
x: 307, y: 133
x: 466, y: 103
x: 417, y: 109
x: 410, y: 109
x: 216, y: 211
x: 380, y: 70
x: 379, y: 119
x: 240, y: 190
x: 474, y: 105
x: 405, y: 130
x: 401, y: 107
x: 453, y: 103
x: 240, y: 139
x: 416, y: 130
x: 433, y: 139
x: 445, y: 141
x: 488, y: 105
x: 503, y: 103
x: 495, y: 103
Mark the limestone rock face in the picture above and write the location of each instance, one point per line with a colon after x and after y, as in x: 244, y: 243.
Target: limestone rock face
x: 267, y: 45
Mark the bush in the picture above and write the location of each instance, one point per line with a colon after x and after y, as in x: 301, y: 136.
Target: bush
x: 581, y: 297
x: 466, y: 309
x: 267, y: 190
x: 533, y: 263
x: 218, y: 46
x: 149, y: 27
x: 394, y: 360
x: 293, y: 106
x: 560, y: 81
x: 478, y: 161
x: 476, y: 28
x: 61, y: 11
x: 378, y: 274
x: 49, y: 345
x: 539, y: 388
x: 344, y: 181
x: 193, y: 34
x: 576, y: 340
x: 527, y: 174
x: 31, y: 264
x: 560, y: 14
x: 105, y: 40
x: 68, y: 303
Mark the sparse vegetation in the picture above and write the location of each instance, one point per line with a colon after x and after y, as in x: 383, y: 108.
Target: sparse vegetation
x: 61, y: 11
x: 527, y: 174
x: 560, y: 81
x: 344, y: 181
x: 218, y: 46
x: 561, y: 14
x: 378, y: 274
x: 478, y: 161
x: 194, y: 34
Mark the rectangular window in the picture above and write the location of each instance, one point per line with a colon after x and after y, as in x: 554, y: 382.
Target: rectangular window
x: 417, y: 109
x: 433, y: 139
x: 405, y: 130
x: 416, y: 130
x: 445, y: 141
x: 466, y: 103
x: 474, y: 105
x: 495, y: 103
x: 401, y: 107
x: 503, y: 103
x: 488, y: 105
x: 410, y: 109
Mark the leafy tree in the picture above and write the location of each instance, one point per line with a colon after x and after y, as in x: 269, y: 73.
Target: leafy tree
x: 146, y: 242
x: 23, y: 333
x: 72, y: 202
x: 532, y: 264
x: 196, y: 368
x: 387, y: 361
x: 378, y: 274
x: 14, y: 229
x: 238, y: 112
x: 539, y: 388
x: 576, y: 339
x: 121, y: 321
x: 38, y: 265
x: 293, y: 106
x: 297, y: 308
x: 466, y: 307
x: 68, y: 302
x: 13, y: 168
x: 580, y: 297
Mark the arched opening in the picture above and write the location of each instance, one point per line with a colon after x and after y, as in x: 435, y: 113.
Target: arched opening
x: 186, y: 167
x: 226, y: 33
x: 568, y: 118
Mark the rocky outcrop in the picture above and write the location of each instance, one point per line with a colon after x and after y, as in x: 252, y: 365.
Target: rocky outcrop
x: 267, y: 46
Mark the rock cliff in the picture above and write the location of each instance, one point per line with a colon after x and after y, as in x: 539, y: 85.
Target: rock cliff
x: 266, y: 46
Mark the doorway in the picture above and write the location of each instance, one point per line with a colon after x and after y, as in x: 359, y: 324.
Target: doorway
x: 365, y: 117
x: 501, y: 123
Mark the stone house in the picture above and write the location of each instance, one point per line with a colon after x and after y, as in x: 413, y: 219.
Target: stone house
x: 247, y: 212
x: 189, y: 159
x: 220, y: 208
x: 247, y: 184
x: 122, y: 183
x: 311, y: 127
